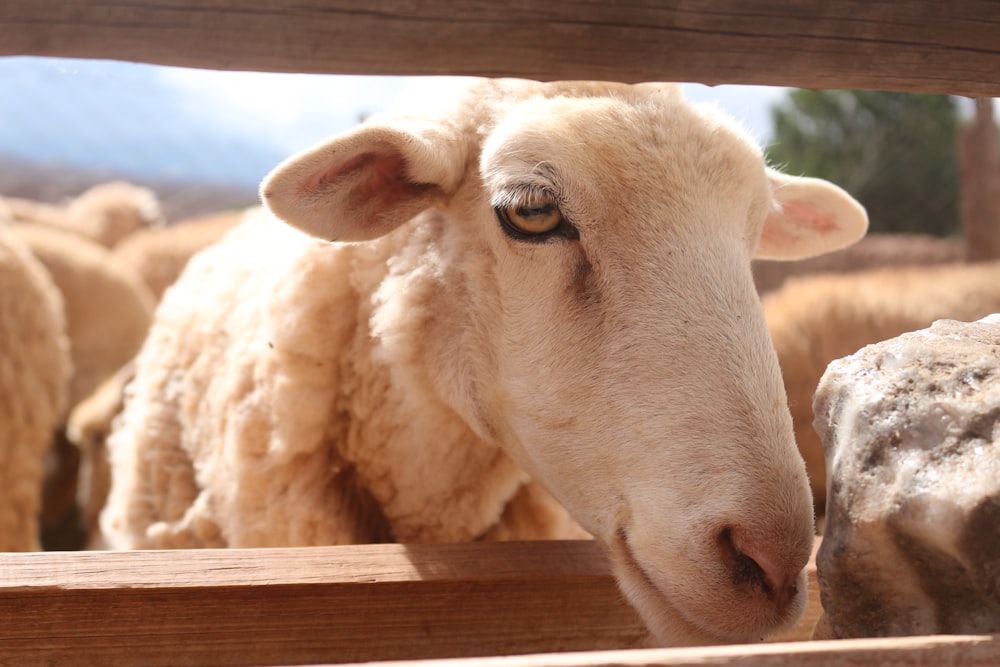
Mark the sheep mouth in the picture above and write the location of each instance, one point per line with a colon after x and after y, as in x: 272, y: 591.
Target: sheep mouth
x: 665, y: 619
x: 673, y: 623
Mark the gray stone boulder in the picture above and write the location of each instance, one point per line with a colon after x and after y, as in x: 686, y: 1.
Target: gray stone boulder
x: 911, y: 432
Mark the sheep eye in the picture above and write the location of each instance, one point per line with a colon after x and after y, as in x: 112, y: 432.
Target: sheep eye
x: 536, y: 216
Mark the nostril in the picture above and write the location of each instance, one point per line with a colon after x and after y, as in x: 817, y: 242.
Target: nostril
x: 751, y: 566
x: 745, y: 570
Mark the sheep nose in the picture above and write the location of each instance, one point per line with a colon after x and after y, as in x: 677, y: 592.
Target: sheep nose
x: 756, y: 567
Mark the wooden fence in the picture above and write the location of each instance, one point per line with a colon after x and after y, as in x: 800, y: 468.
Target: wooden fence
x: 394, y: 602
x: 910, y: 45
x: 351, y: 604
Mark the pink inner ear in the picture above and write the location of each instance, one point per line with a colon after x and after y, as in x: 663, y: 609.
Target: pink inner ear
x: 809, y: 216
x: 373, y: 181
x: 368, y: 194
x: 367, y: 174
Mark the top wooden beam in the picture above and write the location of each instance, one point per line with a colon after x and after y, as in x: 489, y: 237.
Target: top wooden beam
x: 917, y: 45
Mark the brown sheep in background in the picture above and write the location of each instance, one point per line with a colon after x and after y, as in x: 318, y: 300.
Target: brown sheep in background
x: 89, y: 425
x: 106, y: 308
x: 814, y: 320
x: 875, y: 251
x: 158, y: 255
x: 34, y: 375
x: 105, y: 213
x: 112, y: 211
x: 107, y: 311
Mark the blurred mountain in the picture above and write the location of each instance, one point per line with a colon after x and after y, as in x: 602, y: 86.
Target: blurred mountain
x: 57, y: 184
x: 120, y: 118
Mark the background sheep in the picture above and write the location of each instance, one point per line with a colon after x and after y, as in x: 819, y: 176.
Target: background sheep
x: 550, y: 279
x: 159, y: 254
x: 875, y: 251
x: 105, y: 213
x: 814, y: 320
x: 6, y: 214
x: 108, y: 309
x: 34, y: 373
x: 107, y: 312
x: 16, y: 209
x: 87, y: 429
x: 109, y: 212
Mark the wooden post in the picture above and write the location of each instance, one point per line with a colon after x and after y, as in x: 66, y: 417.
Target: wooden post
x: 979, y: 184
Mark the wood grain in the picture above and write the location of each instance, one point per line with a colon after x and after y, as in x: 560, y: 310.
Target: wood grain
x: 918, y: 45
x: 300, y: 606
x: 532, y: 604
x: 295, y: 606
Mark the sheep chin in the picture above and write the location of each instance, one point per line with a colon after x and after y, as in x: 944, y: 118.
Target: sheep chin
x: 667, y: 623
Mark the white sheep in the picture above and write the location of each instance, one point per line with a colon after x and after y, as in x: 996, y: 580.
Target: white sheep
x: 546, y: 279
x: 815, y: 320
x: 34, y: 377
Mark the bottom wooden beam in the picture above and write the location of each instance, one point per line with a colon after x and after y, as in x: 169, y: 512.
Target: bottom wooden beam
x: 537, y: 604
x: 930, y: 651
x: 316, y: 605
x: 301, y: 606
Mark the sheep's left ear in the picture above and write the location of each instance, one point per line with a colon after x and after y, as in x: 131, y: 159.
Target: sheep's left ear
x: 365, y: 183
x: 809, y: 217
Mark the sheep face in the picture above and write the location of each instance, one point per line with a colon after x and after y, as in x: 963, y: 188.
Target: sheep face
x: 595, y: 316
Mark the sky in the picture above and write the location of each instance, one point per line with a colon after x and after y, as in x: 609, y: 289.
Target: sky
x: 216, y: 126
x: 303, y: 108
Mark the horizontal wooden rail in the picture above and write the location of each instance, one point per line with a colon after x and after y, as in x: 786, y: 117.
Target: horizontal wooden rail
x: 916, y: 45
x: 304, y: 606
x: 931, y: 651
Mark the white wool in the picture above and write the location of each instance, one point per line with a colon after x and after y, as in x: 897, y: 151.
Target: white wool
x: 458, y: 354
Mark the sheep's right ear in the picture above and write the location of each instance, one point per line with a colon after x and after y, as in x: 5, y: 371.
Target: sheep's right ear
x: 363, y: 184
x: 809, y: 217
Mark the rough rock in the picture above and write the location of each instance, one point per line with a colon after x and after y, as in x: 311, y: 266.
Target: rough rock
x: 911, y: 432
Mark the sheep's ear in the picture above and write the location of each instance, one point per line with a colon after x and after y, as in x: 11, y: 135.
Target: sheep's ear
x: 809, y: 216
x: 363, y: 184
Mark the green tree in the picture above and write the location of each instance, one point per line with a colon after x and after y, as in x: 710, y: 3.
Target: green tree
x: 895, y: 152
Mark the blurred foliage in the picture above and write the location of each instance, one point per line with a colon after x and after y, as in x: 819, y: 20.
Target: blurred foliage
x: 895, y: 152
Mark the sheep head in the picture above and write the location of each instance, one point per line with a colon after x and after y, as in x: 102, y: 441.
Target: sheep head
x: 594, y: 315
